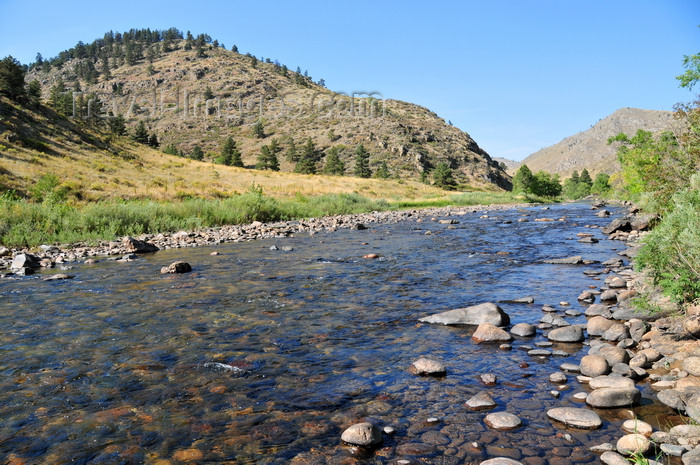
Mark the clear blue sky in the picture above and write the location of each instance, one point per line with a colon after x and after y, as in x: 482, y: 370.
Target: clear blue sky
x: 516, y: 75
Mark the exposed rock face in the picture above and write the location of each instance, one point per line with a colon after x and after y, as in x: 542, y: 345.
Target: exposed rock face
x: 576, y: 417
x: 362, y: 434
x: 475, y: 315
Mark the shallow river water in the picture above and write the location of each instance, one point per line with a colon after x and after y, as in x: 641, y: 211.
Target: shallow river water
x: 265, y: 356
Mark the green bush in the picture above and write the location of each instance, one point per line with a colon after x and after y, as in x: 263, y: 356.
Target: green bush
x: 671, y: 252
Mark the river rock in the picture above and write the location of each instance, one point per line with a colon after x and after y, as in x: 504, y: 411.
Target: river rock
x: 558, y: 377
x: 617, y: 283
x: 613, y: 458
x: 637, y: 329
x: 575, y: 260
x: 639, y: 361
x: 616, y: 332
x: 594, y: 365
x: 488, y: 379
x: 598, y: 310
x: 523, y: 330
x: 614, y: 354
x: 631, y: 444
x: 637, y: 427
x: 692, y: 365
x: 362, y: 434
x: 617, y: 225
x: 692, y: 457
x: 611, y: 381
x: 428, y: 367
x: 554, y: 320
x: 481, y: 401
x: 58, y: 277
x: 486, y: 332
x: 575, y: 417
x: 500, y: 461
x: 177, y: 267
x: 25, y: 260
x: 597, y: 325
x: 692, y: 325
x: 502, y: 421
x: 651, y: 354
x: 132, y: 245
x: 566, y: 334
x: 613, y: 397
x: 586, y: 296
x: 475, y: 315
x: 608, y: 296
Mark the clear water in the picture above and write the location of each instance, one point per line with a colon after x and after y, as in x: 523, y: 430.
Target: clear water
x: 262, y: 356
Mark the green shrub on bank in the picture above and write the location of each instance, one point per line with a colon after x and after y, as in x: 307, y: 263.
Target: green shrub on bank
x: 671, y: 252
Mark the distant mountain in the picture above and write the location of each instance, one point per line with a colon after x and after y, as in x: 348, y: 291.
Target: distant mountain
x: 510, y: 165
x: 589, y: 149
x: 193, y: 92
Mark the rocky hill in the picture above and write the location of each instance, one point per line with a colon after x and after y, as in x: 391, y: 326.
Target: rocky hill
x: 195, y: 92
x: 589, y: 149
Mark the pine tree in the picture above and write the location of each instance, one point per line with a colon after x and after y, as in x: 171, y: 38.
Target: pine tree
x: 197, y: 153
x: 382, y: 171
x: 230, y: 155
x: 11, y: 78
x: 267, y: 160
x: 141, y: 134
x: 292, y: 153
x: 117, y: 125
x: 334, y: 165
x: 362, y: 168
x: 34, y: 91
x: 208, y: 94
x: 442, y: 176
x: 307, y: 160
x: 153, y: 141
x: 586, y: 177
x: 259, y: 130
x: 524, y: 180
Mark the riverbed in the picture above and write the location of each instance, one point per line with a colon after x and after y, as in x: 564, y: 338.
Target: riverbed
x: 264, y: 354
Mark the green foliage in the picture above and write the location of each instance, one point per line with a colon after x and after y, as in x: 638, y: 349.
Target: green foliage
x: 382, y: 171
x: 267, y: 160
x: 671, y: 252
x: 362, y: 169
x: 197, y: 153
x: 576, y: 186
x: 49, y: 189
x: 34, y: 91
x: 140, y: 134
x: 259, y: 129
x: 11, y: 78
x: 308, y: 159
x: 230, y: 155
x: 546, y: 185
x: 60, y: 98
x: 692, y: 73
x: 443, y: 177
x: 523, y: 181
x: 601, y: 185
x: 334, y: 165
x: 208, y: 94
x: 653, y: 168
x: 171, y: 149
x: 292, y: 153
x: 117, y: 125
x: 153, y: 141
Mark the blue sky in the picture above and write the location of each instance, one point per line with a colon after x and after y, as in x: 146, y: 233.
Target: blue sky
x: 516, y: 75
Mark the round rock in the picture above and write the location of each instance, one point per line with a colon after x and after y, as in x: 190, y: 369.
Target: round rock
x: 502, y: 421
x: 594, y: 365
x: 598, y: 325
x: 523, y: 330
x: 362, y: 434
x: 613, y: 458
x: 630, y: 444
x: 566, y: 334
x: 486, y: 332
x: 428, y: 367
x: 613, y: 397
x: 692, y: 365
x: 575, y: 417
x: 500, y: 461
x: 637, y: 427
x: 617, y: 382
x: 481, y: 401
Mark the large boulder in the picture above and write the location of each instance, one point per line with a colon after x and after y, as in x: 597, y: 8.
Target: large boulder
x: 594, y: 365
x: 613, y: 397
x: 502, y: 421
x: 132, y: 245
x: 575, y: 260
x: 523, y: 330
x: 617, y: 382
x: 475, y: 315
x: 633, y: 444
x: 428, y: 367
x: 25, y: 260
x: 617, y: 225
x: 486, y: 332
x: 575, y: 417
x: 597, y: 325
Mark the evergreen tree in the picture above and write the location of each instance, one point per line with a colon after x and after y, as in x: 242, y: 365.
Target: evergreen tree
x: 234, y: 48
x: 11, y: 78
x: 208, y: 94
x: 334, y: 165
x: 362, y: 168
x: 585, y: 178
x: 382, y: 171
x: 230, y: 155
x: 153, y: 141
x: 197, y: 153
x: 443, y: 178
x: 60, y: 98
x: 141, y: 134
x: 259, y: 130
x: 117, y: 125
x: 267, y: 160
x: 171, y: 149
x: 307, y: 160
x: 34, y: 91
x: 523, y: 181
x: 292, y: 153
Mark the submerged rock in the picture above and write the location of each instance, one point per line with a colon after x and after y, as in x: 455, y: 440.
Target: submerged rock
x: 475, y: 315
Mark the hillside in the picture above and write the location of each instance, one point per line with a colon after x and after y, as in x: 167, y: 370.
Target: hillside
x: 91, y: 165
x: 198, y: 93
x: 589, y: 149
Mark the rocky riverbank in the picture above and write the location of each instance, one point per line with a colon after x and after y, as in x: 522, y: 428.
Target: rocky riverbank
x: 25, y: 261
